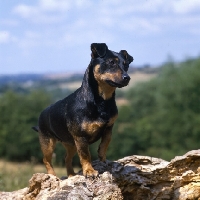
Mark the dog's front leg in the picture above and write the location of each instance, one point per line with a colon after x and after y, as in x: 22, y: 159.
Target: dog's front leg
x: 105, y: 141
x: 85, y: 158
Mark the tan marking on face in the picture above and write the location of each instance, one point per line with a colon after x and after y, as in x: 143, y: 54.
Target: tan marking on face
x: 114, y: 77
x: 104, y: 89
x: 91, y: 128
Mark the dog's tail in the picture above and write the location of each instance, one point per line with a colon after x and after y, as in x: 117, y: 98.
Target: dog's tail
x: 35, y: 128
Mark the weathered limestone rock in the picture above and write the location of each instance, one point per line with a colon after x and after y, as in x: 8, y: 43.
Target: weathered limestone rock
x: 48, y: 187
x: 130, y: 178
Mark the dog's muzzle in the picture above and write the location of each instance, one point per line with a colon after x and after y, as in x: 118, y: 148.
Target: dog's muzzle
x: 122, y: 83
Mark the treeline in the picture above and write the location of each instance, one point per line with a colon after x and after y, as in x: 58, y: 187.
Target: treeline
x: 18, y: 113
x: 162, y: 118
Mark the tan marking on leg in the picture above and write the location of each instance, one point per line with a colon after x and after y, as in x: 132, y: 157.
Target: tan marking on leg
x: 105, y: 141
x: 85, y: 158
x: 47, y: 146
x: 112, y: 120
x: 88, y: 170
x: 71, y: 151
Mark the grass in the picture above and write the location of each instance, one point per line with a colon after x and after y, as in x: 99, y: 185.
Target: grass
x: 15, y: 176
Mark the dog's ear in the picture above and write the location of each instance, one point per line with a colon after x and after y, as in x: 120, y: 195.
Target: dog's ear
x: 98, y: 50
x: 126, y: 56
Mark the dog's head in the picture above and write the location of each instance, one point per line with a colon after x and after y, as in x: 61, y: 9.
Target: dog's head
x: 110, y: 67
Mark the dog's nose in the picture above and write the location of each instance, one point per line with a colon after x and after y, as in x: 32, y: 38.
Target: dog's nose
x: 126, y: 77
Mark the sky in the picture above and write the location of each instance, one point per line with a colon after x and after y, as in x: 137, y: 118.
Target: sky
x: 54, y: 36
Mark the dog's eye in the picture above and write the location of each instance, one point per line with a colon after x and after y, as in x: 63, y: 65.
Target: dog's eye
x: 112, y: 62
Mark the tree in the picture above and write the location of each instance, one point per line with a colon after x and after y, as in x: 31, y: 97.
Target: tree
x: 19, y: 112
x: 163, y: 115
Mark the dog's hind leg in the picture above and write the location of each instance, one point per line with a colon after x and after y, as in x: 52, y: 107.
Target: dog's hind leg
x: 71, y: 151
x: 47, y: 146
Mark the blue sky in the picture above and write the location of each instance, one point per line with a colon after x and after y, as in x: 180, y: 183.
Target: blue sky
x: 54, y: 36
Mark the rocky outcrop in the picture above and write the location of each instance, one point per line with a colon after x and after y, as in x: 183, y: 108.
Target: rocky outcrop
x: 133, y: 177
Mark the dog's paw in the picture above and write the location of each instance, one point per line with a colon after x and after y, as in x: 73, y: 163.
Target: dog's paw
x: 90, y: 173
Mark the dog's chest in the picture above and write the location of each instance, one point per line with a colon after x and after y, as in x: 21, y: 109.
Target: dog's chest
x: 94, y: 127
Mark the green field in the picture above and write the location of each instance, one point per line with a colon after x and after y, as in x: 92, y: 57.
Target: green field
x: 15, y: 175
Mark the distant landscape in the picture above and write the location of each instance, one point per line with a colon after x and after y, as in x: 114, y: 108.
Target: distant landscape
x: 65, y: 82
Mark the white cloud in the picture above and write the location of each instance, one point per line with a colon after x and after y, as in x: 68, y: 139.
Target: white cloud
x: 186, y: 6
x: 83, y: 3
x: 174, y: 22
x: 54, y: 5
x: 144, y: 7
x: 25, y: 11
x: 49, y: 11
x: 62, y: 5
x: 52, y: 11
x: 125, y: 8
x: 6, y: 37
x: 40, y: 14
x: 79, y: 24
x: 72, y: 22
x: 140, y: 25
x: 72, y: 38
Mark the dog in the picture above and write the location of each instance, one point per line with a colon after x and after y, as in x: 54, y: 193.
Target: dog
x: 88, y: 114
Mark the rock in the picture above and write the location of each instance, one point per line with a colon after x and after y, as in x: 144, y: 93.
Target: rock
x: 129, y: 178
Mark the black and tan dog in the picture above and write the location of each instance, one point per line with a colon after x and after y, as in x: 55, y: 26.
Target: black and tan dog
x: 88, y: 114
